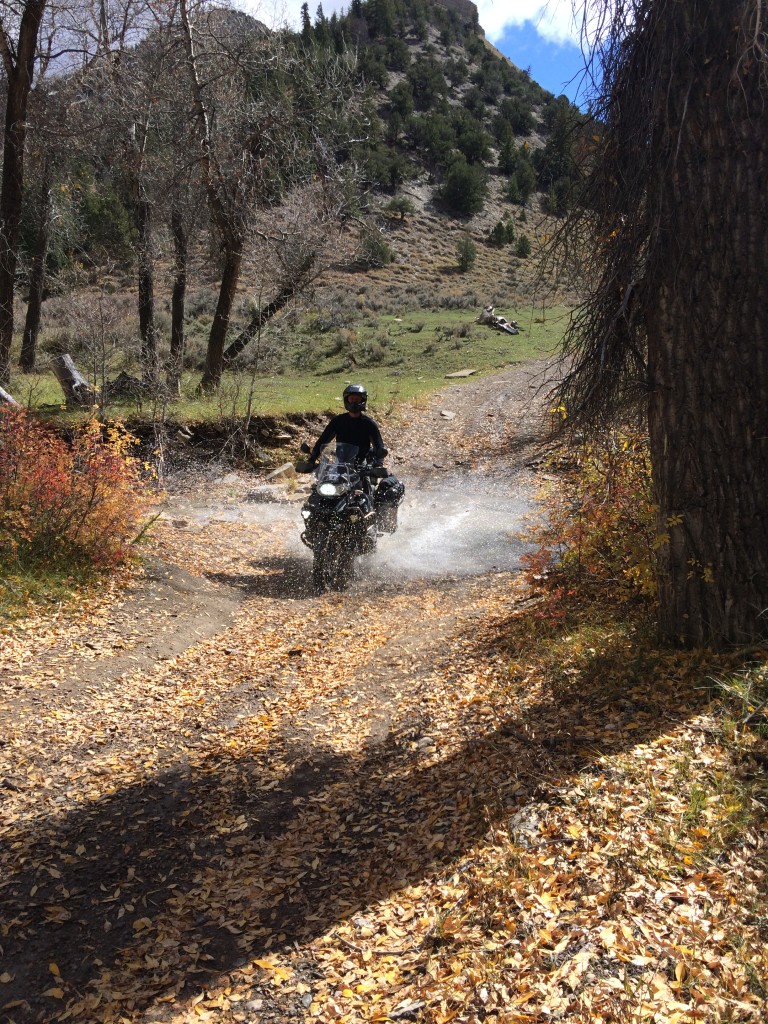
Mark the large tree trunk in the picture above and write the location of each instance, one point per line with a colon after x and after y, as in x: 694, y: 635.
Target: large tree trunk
x: 178, y: 302
x: 708, y: 330
x: 147, y: 326
x: 214, y: 361
x: 19, y: 66
x: 28, y: 357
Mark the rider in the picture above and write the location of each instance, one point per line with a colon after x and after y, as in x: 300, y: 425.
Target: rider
x: 352, y: 427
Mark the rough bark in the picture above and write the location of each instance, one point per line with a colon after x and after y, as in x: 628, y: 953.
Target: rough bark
x: 77, y: 390
x: 28, y: 358
x: 214, y: 360
x: 676, y: 213
x: 147, y: 326
x: 19, y: 62
x: 230, y: 238
x: 707, y: 343
x: 178, y: 301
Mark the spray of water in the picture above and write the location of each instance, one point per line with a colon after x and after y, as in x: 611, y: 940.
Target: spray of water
x: 465, y: 526
x: 461, y: 526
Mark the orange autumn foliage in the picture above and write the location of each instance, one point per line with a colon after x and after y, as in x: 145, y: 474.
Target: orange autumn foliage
x: 59, y: 501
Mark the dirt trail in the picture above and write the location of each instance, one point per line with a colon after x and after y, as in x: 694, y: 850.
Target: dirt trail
x: 219, y: 723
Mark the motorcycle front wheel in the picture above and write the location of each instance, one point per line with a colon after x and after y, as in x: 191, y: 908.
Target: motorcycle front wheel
x: 332, y: 566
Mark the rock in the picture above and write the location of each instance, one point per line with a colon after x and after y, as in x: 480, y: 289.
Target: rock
x: 461, y: 373
x: 285, y: 472
x: 448, y: 415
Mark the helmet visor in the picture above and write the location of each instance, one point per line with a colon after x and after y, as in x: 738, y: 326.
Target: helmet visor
x: 355, y: 399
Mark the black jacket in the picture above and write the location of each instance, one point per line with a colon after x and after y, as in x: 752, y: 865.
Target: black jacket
x: 359, y: 430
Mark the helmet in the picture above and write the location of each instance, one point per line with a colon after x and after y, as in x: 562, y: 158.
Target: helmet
x: 355, y: 398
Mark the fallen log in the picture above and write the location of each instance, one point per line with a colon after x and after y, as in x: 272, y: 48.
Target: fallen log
x: 126, y: 386
x: 76, y: 388
x: 6, y: 399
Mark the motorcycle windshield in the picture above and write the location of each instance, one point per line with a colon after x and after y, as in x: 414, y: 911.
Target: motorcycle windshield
x: 340, y: 473
x: 346, y: 453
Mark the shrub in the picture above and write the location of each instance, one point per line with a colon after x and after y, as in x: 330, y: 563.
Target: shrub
x: 502, y: 233
x: 60, y: 502
x: 400, y: 206
x: 523, y: 247
x: 465, y: 188
x: 375, y: 251
x: 601, y: 518
x: 466, y: 253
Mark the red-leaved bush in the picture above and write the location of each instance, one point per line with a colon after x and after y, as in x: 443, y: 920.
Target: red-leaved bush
x: 59, y: 501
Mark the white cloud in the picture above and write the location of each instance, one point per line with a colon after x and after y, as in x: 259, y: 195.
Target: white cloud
x: 553, y: 19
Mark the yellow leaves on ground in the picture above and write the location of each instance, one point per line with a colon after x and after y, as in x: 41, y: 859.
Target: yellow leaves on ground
x: 383, y: 810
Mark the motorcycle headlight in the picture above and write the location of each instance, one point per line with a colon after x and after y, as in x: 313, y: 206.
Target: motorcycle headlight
x: 329, y: 490
x: 306, y: 513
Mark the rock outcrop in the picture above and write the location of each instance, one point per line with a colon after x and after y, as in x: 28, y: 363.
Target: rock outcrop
x: 465, y: 8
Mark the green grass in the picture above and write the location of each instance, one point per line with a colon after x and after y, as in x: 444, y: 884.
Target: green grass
x: 39, y: 587
x: 398, y: 358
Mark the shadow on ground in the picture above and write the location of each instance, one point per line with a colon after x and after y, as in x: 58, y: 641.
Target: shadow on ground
x: 278, y: 577
x: 211, y: 858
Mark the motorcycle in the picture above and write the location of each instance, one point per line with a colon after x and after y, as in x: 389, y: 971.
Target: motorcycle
x: 346, y: 513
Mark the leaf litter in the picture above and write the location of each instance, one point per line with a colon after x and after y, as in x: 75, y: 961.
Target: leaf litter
x: 404, y: 805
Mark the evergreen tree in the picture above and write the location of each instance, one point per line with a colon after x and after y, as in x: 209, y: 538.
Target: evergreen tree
x: 465, y: 188
x: 322, y: 28
x: 306, y: 24
x: 466, y: 253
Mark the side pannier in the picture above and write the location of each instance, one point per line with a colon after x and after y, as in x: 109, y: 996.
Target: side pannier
x: 388, y: 496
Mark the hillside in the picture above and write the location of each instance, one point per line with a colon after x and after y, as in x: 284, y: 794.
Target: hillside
x: 461, y: 167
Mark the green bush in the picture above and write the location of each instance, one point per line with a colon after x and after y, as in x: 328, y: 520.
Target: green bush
x: 523, y: 247
x: 502, y: 233
x: 400, y: 206
x: 465, y: 188
x: 106, y: 227
x: 466, y: 253
x: 375, y: 251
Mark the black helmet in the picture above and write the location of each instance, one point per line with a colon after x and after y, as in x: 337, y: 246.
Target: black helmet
x: 355, y: 397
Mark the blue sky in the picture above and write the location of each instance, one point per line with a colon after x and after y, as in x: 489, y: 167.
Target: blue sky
x: 542, y: 35
x: 556, y: 66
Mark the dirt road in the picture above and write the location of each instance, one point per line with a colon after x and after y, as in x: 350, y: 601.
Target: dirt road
x: 218, y: 766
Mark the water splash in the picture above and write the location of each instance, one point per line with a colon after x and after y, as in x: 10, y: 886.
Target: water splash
x: 464, y: 527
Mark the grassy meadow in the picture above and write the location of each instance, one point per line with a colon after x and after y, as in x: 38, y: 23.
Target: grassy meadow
x: 303, y: 367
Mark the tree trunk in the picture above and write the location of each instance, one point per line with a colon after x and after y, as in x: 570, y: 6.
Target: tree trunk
x: 19, y: 74
x: 36, y: 284
x: 178, y: 301
x: 77, y: 390
x: 257, y: 321
x: 214, y: 360
x: 147, y: 326
x: 6, y: 399
x: 708, y: 333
